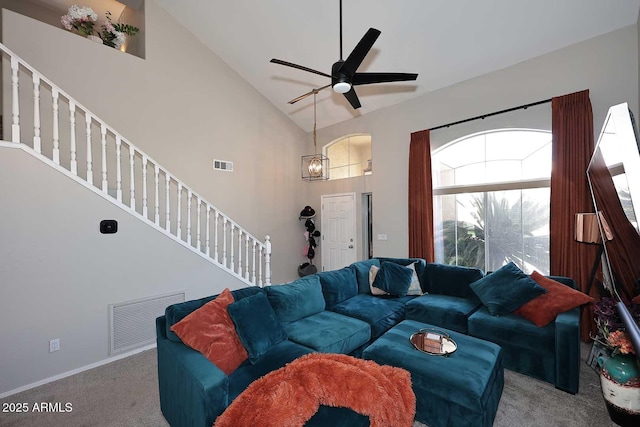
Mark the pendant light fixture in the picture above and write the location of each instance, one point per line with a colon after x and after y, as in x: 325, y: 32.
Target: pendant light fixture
x: 315, y: 167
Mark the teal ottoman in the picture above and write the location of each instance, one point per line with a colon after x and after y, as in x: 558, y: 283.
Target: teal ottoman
x: 462, y: 389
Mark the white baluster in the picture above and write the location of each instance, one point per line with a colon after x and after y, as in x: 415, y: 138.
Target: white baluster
x: 72, y: 137
x: 189, y: 195
x: 246, y: 257
x: 118, y: 168
x: 260, y: 266
x: 239, y: 251
x: 179, y: 215
x: 253, y: 266
x: 198, y: 241
x: 15, y: 101
x: 56, y: 130
x: 103, y: 144
x: 267, y: 261
x: 215, y: 237
x: 145, y: 210
x: 87, y: 119
x: 207, y: 232
x: 167, y: 179
x: 132, y: 178
x: 224, y: 241
x: 156, y: 201
x: 232, y: 261
x: 37, y: 145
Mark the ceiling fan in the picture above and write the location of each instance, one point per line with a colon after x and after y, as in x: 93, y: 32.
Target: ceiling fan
x: 344, y: 75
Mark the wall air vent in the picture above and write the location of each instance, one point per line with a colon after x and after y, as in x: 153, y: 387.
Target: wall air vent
x: 222, y: 165
x: 132, y: 324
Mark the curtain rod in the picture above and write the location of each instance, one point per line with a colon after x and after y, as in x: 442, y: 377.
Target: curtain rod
x: 522, y: 107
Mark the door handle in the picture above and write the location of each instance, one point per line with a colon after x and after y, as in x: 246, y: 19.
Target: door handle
x: 350, y: 246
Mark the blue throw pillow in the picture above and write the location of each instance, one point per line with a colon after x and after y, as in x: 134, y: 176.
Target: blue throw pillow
x: 393, y: 278
x: 506, y: 289
x: 362, y: 273
x: 338, y: 285
x: 256, y: 324
x: 298, y: 299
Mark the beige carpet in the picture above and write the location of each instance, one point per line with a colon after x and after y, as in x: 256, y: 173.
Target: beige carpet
x: 125, y: 393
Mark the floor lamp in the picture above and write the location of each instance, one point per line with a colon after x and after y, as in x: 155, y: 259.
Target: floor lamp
x: 588, y: 231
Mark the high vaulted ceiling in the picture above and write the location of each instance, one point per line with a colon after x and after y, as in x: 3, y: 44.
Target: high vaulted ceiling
x: 444, y: 41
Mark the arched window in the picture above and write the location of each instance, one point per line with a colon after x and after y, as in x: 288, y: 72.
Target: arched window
x: 491, y: 200
x: 349, y: 156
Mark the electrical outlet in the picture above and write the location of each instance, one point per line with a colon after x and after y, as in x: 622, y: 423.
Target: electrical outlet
x: 54, y: 345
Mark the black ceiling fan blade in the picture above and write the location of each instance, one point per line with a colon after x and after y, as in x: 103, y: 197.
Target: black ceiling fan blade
x: 353, y: 99
x: 301, y: 97
x: 369, y: 78
x: 358, y: 54
x: 299, y: 67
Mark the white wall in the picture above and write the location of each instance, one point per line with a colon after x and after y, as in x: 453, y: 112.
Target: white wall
x: 184, y: 107
x: 58, y: 274
x: 606, y: 65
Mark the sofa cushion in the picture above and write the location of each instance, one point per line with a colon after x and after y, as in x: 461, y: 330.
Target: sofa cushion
x: 210, y: 331
x: 393, y: 278
x: 380, y: 313
x: 256, y: 324
x: 338, y: 285
x: 176, y: 312
x: 452, y: 280
x: 512, y: 330
x: 329, y: 332
x: 277, y: 356
x: 558, y: 299
x: 298, y: 299
x: 506, y: 289
x: 362, y: 269
x: 442, y: 310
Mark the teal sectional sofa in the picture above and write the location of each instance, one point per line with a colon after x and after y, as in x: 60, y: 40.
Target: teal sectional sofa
x: 335, y: 312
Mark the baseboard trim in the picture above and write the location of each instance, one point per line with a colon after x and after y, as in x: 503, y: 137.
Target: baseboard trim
x: 76, y: 371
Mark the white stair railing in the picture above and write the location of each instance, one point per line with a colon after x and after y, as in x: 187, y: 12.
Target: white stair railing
x: 54, y: 125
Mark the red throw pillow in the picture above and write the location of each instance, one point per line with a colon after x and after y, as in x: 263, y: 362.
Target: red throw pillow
x: 211, y: 331
x: 559, y: 298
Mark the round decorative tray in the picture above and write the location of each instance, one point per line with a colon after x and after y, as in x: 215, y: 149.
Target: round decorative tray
x: 434, y: 342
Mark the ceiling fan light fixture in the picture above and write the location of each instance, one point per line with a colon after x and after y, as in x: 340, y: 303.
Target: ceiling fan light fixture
x: 341, y: 87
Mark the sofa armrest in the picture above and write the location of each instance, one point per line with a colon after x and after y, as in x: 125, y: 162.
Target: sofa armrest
x: 568, y: 350
x: 193, y: 391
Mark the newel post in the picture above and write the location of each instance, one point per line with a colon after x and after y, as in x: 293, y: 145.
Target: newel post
x: 267, y: 260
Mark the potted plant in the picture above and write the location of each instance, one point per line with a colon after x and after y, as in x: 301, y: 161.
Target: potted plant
x: 620, y: 373
x: 115, y: 35
x: 80, y: 19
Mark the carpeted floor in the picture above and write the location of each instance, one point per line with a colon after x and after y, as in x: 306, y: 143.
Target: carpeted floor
x: 125, y: 393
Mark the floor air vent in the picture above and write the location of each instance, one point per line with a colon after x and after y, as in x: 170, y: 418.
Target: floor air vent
x: 132, y: 324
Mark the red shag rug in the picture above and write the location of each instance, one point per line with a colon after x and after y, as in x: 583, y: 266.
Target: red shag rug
x: 291, y: 395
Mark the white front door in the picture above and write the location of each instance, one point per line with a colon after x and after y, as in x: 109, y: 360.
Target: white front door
x: 338, y: 231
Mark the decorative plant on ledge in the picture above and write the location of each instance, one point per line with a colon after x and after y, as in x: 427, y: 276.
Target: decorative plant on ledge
x: 114, y: 35
x: 81, y: 19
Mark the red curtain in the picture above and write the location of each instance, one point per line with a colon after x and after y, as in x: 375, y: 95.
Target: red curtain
x: 572, y: 147
x: 420, y: 197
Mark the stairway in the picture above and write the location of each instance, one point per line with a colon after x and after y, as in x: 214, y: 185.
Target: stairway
x: 52, y: 126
